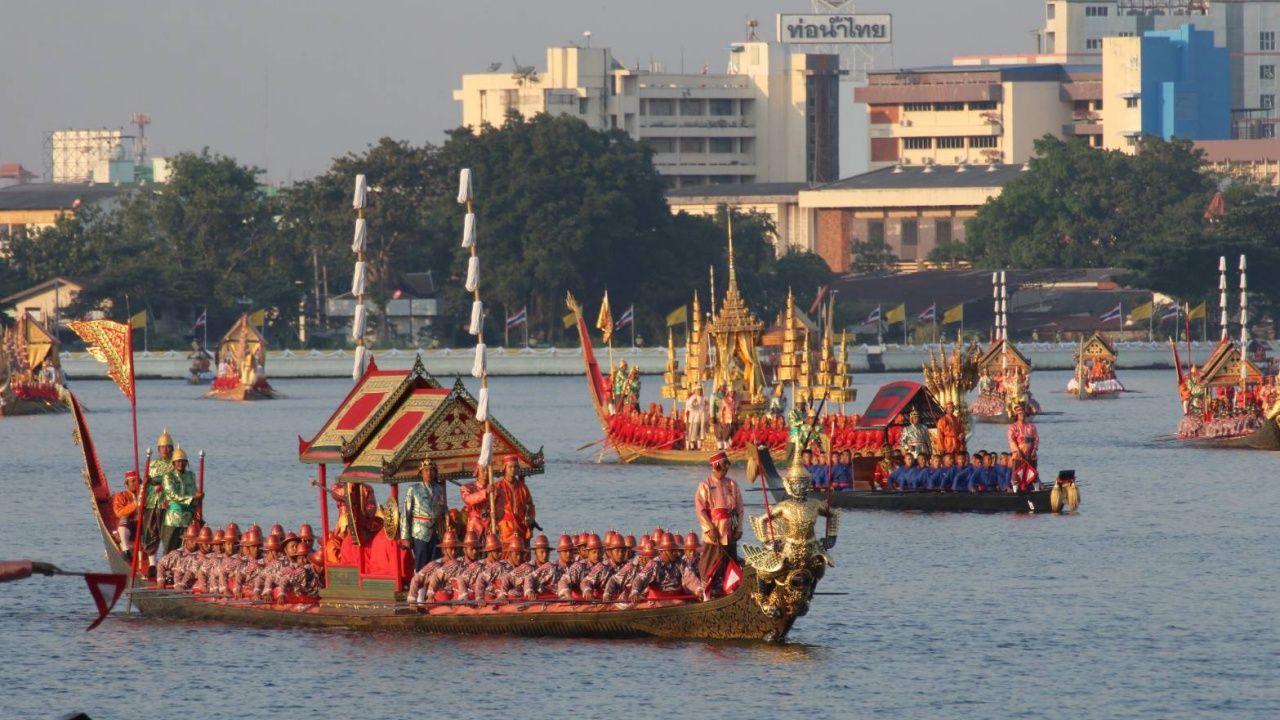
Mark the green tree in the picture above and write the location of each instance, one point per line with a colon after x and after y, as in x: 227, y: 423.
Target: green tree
x: 872, y: 256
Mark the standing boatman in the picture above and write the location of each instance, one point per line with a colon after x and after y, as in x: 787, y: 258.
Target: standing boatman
x: 424, y: 512
x: 519, y: 514
x: 153, y: 510
x: 1023, y: 436
x: 915, y: 436
x: 181, y: 493
x: 718, y: 503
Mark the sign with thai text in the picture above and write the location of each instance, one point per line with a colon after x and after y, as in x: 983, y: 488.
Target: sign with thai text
x: 835, y: 29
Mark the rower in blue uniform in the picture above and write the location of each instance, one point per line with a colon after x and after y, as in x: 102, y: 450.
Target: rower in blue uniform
x: 1004, y: 473
x: 961, y: 474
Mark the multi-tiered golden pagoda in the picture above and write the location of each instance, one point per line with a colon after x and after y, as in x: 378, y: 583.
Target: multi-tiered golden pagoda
x: 735, y: 334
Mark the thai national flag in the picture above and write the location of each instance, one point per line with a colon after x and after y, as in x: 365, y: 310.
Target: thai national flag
x: 1171, y: 314
x: 627, y: 318
x: 874, y: 317
x: 519, y: 318
x: 929, y: 313
x: 200, y: 321
x: 1112, y: 314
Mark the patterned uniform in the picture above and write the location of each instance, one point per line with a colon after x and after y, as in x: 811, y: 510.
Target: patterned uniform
x: 718, y: 504
x: 465, y: 580
x: 572, y: 578
x: 619, y: 585
x: 440, y: 578
x: 424, y: 510
x: 543, y: 580
x: 485, y: 584
x: 418, y: 583
x: 166, y: 569
x: 247, y: 575
x: 593, y: 583
x: 304, y: 582
x: 184, y: 572
x: 268, y: 578
x: 667, y: 577
x: 511, y: 585
x: 220, y: 578
x: 205, y: 573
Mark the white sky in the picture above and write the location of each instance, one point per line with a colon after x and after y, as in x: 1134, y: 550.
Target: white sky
x: 289, y: 85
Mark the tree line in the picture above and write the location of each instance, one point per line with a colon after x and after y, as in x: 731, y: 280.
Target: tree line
x: 559, y: 207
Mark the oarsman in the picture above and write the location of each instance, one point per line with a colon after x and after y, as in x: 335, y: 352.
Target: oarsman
x: 169, y: 564
x: 181, y: 494
x: 302, y: 581
x: 440, y: 582
x: 247, y: 574
x: 961, y: 473
x: 480, y: 506
x: 272, y: 563
x: 619, y: 586
x: 418, y: 583
x: 1023, y: 436
x: 666, y: 576
x: 593, y: 583
x: 718, y: 503
x: 629, y: 542
x: 692, y: 550
x: 511, y: 585
x: 184, y: 573
x: 422, y: 520
x: 542, y: 582
x: 316, y: 559
x: 465, y: 579
x: 695, y: 418
x: 883, y: 471
x: 307, y: 535
x: 568, y: 587
x: 211, y: 561
x: 1004, y: 472
x: 220, y: 577
x: 518, y: 513
x: 124, y: 505
x: 915, y: 435
x: 493, y: 567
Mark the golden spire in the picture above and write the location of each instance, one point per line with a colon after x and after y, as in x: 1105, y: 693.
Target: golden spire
x: 733, y: 276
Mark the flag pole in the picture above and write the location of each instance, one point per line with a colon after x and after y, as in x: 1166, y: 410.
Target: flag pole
x: 133, y: 407
x: 633, y: 325
x: 526, y: 327
x: 506, y: 327
x: 1151, y: 320
x: 206, y: 328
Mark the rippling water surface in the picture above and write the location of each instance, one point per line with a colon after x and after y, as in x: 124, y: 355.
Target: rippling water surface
x: 1158, y: 600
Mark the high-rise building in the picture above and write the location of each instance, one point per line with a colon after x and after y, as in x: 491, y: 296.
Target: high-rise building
x: 773, y: 116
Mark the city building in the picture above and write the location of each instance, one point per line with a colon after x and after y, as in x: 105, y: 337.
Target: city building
x: 14, y: 174
x: 1166, y: 84
x: 955, y: 114
x: 35, y: 206
x: 780, y: 201
x: 1255, y: 160
x: 911, y: 208
x: 47, y: 300
x: 1246, y: 28
x: 772, y: 117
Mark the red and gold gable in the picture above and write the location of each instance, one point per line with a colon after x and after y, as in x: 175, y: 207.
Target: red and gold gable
x: 1098, y: 347
x: 994, y: 358
x: 362, y: 412
x: 1223, y: 367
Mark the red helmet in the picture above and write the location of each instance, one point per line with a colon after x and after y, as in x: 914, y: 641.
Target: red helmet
x: 565, y: 544
x: 615, y: 541
x: 646, y: 548
x: 448, y: 541
x: 277, y: 530
x: 317, y: 558
x: 290, y: 536
x: 255, y: 529
x: 273, y: 542
x: 206, y: 535
x: 192, y: 532
x: 580, y: 540
x: 668, y: 542
x: 470, y: 540
x: 491, y: 543
x: 629, y: 542
x: 306, y: 533
x: 252, y: 538
x: 233, y: 531
x: 541, y: 543
x: 515, y: 544
x: 691, y: 541
x: 220, y: 536
x: 593, y: 542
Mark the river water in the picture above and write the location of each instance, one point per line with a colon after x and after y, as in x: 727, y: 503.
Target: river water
x: 1157, y: 600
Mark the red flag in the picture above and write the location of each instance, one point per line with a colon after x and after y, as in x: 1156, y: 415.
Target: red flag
x: 98, y: 582
x: 732, y: 577
x: 822, y: 292
x: 110, y: 343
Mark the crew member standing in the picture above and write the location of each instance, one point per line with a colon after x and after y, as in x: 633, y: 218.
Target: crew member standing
x: 1023, y: 436
x: 181, y: 494
x: 718, y: 503
x: 423, y: 516
x: 475, y: 496
x: 154, y: 508
x: 950, y: 431
x: 518, y: 513
x: 695, y: 419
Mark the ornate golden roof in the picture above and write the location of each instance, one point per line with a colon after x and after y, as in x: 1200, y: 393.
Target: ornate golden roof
x: 734, y: 315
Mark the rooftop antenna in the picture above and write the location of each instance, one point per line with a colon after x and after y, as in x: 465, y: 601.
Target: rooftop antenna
x: 752, y: 24
x: 140, y: 120
x: 587, y: 34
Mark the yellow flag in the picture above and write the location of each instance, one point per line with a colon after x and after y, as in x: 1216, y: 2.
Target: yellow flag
x: 569, y: 320
x: 1142, y: 312
x: 679, y: 316
x: 896, y: 315
x: 604, y: 322
x: 1197, y: 312
x: 138, y: 320
x: 954, y: 315
x: 258, y: 317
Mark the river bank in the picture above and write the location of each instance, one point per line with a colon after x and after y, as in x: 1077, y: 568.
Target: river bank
x: 565, y: 361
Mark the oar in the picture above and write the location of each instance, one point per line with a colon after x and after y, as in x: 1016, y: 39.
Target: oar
x: 580, y: 448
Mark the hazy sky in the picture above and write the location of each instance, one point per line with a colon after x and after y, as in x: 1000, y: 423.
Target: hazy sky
x: 290, y: 85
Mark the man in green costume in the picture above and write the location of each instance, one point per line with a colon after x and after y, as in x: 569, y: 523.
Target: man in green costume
x: 181, y: 494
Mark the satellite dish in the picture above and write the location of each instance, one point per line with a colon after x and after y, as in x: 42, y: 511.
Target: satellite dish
x: 495, y: 66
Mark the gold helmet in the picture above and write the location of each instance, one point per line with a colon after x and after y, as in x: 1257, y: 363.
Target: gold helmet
x: 427, y: 462
x: 164, y: 439
x: 179, y: 454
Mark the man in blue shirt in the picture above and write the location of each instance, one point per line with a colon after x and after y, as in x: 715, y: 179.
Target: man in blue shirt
x: 1004, y: 473
x: 947, y: 474
x: 961, y: 474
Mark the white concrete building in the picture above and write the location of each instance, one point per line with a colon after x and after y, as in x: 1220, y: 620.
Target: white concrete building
x: 1249, y: 29
x: 773, y: 117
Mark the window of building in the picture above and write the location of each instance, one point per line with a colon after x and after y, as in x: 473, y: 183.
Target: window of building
x: 1267, y: 40
x: 693, y: 107
x: 950, y: 143
x: 722, y: 145
x: 1127, y: 34
x: 662, y: 108
x: 875, y: 231
x: 1266, y: 72
x: 942, y: 231
x: 1267, y: 102
x: 917, y: 143
x: 1131, y: 140
x: 1050, y: 11
x: 1093, y: 44
x: 910, y: 238
x: 1131, y: 102
x: 917, y: 107
x: 722, y: 179
x: 1267, y: 130
x: 693, y: 145
x: 1096, y: 10
x: 982, y: 141
x: 983, y: 105
x: 582, y: 106
x: 662, y: 145
x: 721, y: 108
x: 948, y: 106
